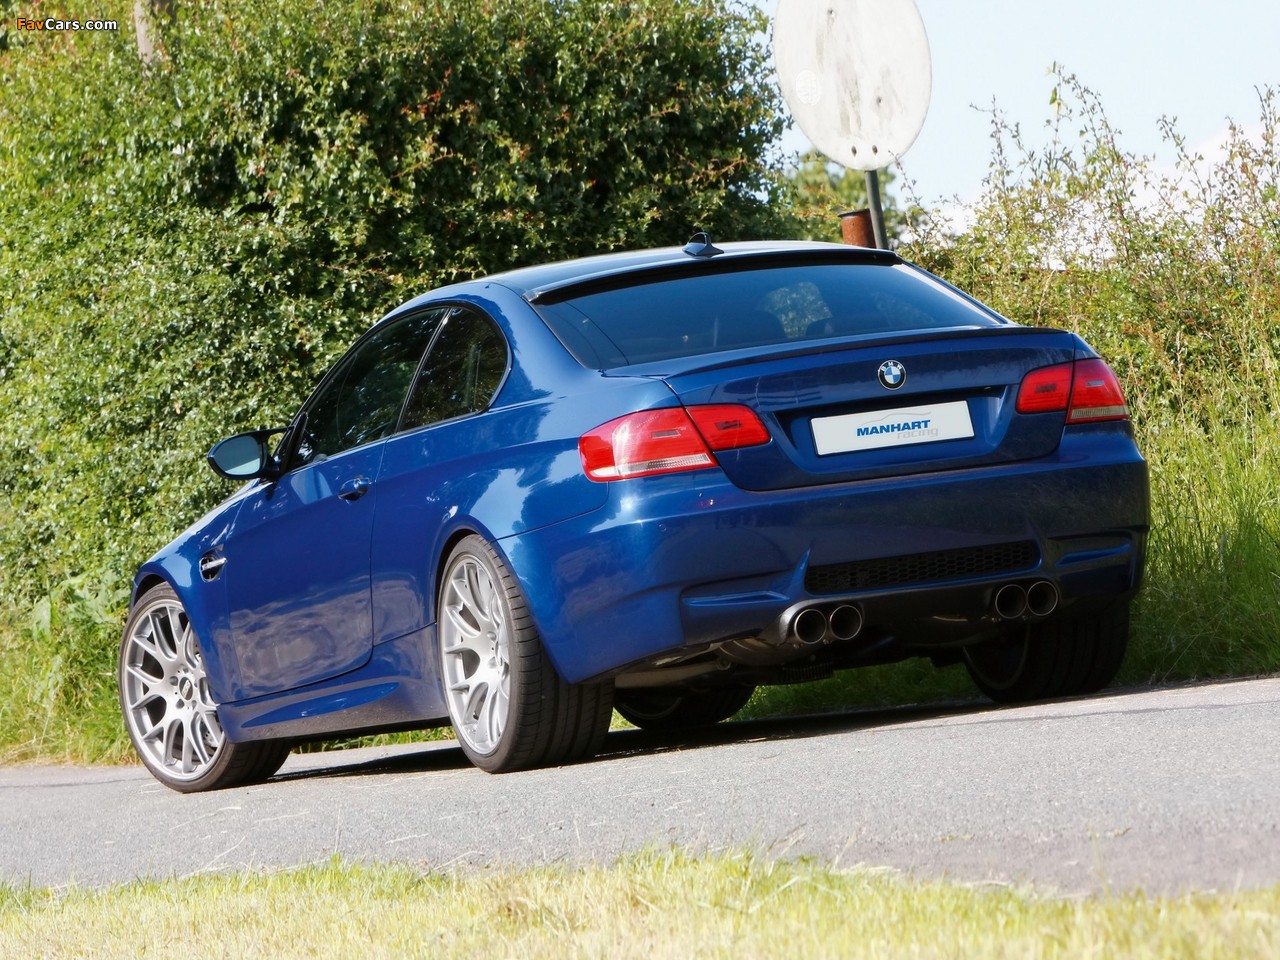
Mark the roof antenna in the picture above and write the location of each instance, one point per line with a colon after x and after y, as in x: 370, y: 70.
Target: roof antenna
x: 700, y: 246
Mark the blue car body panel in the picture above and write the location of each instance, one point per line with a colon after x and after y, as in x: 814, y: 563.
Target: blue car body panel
x: 321, y: 619
x: 697, y: 559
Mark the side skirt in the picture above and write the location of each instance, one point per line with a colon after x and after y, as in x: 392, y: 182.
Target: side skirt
x: 397, y: 688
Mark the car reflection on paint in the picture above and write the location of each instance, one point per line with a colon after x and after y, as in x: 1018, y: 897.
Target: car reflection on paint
x: 645, y: 481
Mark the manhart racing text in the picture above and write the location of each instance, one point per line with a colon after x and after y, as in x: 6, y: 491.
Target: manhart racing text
x: 917, y: 428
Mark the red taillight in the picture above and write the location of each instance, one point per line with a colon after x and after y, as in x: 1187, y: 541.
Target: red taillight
x: 1045, y: 390
x: 728, y: 426
x: 667, y: 441
x: 1096, y: 394
x: 1086, y: 389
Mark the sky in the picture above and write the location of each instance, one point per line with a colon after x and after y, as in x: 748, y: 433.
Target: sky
x: 1198, y: 62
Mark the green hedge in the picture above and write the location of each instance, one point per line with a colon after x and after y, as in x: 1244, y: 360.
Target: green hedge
x: 184, y: 247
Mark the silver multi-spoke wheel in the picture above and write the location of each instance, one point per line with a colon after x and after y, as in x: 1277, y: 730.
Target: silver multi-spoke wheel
x: 510, y: 709
x: 165, y: 693
x: 171, y: 716
x: 475, y: 647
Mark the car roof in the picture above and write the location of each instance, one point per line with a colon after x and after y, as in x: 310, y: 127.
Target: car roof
x: 540, y: 283
x: 554, y: 281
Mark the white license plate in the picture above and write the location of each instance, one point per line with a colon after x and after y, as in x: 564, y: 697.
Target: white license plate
x: 927, y: 423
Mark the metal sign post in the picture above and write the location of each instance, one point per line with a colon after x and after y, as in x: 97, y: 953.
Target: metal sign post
x: 877, y: 211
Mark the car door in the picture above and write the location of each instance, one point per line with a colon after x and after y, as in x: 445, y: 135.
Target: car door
x: 297, y: 562
x: 434, y: 466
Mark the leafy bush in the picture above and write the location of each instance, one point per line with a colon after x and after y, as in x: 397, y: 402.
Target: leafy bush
x: 184, y: 247
x: 1171, y: 275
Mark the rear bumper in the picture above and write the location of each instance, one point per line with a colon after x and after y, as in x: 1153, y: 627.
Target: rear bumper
x: 675, y: 563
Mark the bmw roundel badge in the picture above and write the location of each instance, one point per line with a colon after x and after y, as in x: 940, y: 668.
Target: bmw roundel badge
x: 892, y: 374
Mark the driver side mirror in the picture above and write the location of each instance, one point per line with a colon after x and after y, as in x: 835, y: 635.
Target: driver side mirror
x: 244, y: 456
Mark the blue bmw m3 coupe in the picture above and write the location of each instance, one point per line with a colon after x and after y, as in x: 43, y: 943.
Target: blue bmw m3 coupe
x: 649, y: 482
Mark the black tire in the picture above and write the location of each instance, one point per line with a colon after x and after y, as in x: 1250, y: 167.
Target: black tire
x: 271, y: 757
x: 170, y: 716
x: 509, y: 708
x: 679, y: 708
x: 1055, y: 658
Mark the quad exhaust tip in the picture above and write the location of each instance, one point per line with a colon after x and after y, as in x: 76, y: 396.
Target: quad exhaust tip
x: 813, y: 625
x: 809, y: 626
x: 1010, y: 601
x: 1013, y: 600
x: 843, y: 621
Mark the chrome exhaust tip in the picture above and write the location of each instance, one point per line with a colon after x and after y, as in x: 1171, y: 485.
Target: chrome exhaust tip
x: 845, y: 622
x: 809, y: 626
x: 1010, y: 601
x: 1042, y: 598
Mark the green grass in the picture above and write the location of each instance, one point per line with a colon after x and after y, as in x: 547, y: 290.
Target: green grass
x: 653, y: 905
x: 915, y: 681
x: 1211, y: 604
x: 57, y: 678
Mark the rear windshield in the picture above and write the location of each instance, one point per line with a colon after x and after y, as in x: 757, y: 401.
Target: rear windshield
x: 714, y: 312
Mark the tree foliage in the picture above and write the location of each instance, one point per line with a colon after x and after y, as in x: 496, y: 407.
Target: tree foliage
x: 821, y: 189
x: 185, y: 244
x: 1171, y: 274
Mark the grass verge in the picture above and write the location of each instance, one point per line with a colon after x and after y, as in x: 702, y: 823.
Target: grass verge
x: 1211, y: 603
x: 652, y: 905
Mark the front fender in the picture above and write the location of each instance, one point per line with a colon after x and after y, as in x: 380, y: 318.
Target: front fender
x: 205, y: 601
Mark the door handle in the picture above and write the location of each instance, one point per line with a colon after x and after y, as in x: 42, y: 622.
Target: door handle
x: 211, y: 565
x: 354, y: 489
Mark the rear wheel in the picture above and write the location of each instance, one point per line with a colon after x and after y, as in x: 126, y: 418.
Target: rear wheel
x: 509, y: 708
x: 1055, y: 658
x: 168, y: 711
x: 678, y: 708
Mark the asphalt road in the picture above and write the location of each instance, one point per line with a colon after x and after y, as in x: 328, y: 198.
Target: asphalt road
x: 1164, y: 790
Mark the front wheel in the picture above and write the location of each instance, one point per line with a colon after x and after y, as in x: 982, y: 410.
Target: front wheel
x: 1054, y: 658
x: 168, y: 711
x: 509, y: 708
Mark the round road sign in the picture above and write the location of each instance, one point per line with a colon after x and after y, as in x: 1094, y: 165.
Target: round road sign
x: 856, y: 75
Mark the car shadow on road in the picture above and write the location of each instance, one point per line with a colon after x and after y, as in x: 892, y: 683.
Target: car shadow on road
x: 427, y: 757
x: 634, y: 742
x: 445, y: 756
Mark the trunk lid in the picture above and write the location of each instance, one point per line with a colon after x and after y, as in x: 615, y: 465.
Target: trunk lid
x: 876, y: 407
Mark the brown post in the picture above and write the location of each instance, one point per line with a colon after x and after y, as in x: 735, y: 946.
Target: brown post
x: 856, y: 228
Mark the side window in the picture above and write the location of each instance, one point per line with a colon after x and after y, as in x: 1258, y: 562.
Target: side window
x: 462, y: 372
x: 362, y: 399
